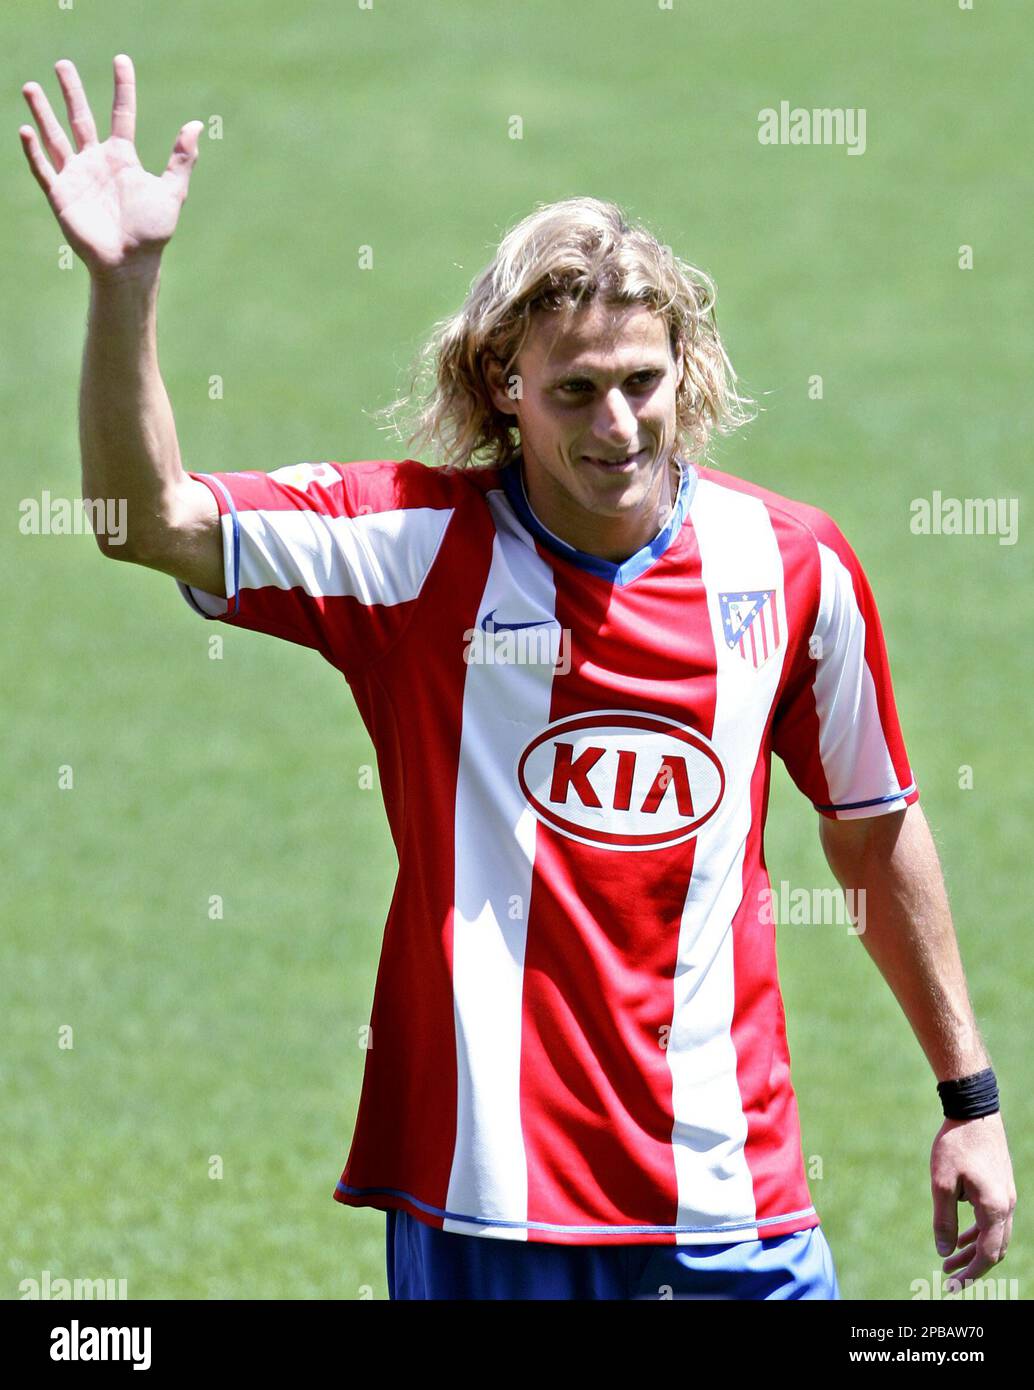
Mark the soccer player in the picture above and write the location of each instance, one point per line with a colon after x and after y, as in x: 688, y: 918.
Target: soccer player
x: 576, y: 648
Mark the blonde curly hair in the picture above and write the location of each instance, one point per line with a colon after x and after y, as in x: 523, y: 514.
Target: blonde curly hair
x: 562, y: 256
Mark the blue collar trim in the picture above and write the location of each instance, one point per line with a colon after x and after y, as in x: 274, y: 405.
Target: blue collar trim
x: 623, y: 573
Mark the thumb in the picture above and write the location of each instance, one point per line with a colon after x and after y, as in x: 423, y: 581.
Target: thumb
x: 183, y: 157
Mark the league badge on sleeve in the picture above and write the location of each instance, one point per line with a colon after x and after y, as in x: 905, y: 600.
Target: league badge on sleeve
x: 750, y: 620
x: 301, y: 475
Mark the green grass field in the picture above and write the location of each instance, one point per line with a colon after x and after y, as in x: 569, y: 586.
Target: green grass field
x: 241, y: 777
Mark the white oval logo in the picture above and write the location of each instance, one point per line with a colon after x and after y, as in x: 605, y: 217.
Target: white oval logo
x: 622, y: 780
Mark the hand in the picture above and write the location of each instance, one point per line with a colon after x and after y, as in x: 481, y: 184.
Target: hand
x: 970, y: 1162
x: 113, y: 213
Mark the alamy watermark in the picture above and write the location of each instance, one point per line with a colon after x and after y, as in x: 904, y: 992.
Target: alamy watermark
x: 48, y: 1287
x: 47, y: 515
x: 495, y: 643
x: 946, y: 1286
x: 820, y: 907
x: 966, y: 516
x: 825, y: 125
x: 84, y: 1343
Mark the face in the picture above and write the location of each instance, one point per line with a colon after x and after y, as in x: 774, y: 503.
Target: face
x: 597, y: 423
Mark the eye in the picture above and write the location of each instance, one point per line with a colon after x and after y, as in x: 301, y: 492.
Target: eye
x: 648, y: 377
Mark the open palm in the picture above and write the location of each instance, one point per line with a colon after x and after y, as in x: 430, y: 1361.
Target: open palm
x: 111, y: 210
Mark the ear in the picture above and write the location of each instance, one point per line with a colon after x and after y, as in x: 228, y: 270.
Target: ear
x: 497, y: 385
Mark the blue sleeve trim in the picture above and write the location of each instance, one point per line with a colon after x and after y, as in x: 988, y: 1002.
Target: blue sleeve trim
x: 231, y: 561
x: 876, y: 801
x: 232, y: 576
x: 188, y: 594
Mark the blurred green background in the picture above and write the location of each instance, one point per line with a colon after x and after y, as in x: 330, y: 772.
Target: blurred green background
x: 388, y: 127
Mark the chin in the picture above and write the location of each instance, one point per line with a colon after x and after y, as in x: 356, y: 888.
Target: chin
x: 613, y: 501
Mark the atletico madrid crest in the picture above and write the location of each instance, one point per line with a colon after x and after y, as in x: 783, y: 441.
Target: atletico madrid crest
x: 751, y: 622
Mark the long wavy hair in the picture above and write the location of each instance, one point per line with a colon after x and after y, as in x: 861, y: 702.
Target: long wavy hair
x: 560, y: 257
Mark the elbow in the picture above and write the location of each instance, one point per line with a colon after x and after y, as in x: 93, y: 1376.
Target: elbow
x: 108, y: 520
x: 115, y: 547
x: 117, y: 540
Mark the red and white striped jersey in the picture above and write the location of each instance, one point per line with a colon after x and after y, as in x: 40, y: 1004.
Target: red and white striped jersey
x: 578, y: 1028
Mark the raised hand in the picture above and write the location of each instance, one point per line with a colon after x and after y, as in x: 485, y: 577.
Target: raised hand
x: 114, y: 214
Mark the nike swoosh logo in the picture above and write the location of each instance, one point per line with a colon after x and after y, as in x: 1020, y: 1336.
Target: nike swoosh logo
x: 489, y: 624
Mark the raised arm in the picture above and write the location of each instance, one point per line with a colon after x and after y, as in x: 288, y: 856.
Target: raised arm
x: 908, y: 932
x: 118, y: 219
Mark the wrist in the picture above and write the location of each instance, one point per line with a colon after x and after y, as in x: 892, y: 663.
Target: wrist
x: 141, y: 272
x: 970, y: 1097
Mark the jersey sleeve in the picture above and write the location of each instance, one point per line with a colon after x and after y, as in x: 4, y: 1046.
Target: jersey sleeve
x: 327, y: 555
x: 836, y: 725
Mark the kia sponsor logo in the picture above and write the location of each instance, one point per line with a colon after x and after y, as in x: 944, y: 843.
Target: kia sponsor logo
x: 622, y: 780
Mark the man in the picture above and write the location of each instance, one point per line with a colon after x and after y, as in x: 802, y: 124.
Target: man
x: 575, y: 649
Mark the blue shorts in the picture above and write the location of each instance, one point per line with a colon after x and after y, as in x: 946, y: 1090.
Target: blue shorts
x: 424, y: 1262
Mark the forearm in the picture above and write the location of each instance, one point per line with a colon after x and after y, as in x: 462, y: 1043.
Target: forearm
x: 908, y: 932
x: 127, y: 432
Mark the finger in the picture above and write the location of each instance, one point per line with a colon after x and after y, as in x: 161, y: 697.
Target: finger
x: 123, y: 107
x: 994, y: 1237
x: 982, y: 1257
x: 183, y: 157
x: 79, y: 114
x: 960, y: 1259
x: 945, y: 1221
x: 968, y: 1237
x: 1007, y: 1236
x: 976, y: 1269
x: 965, y: 1277
x: 54, y: 137
x: 42, y: 171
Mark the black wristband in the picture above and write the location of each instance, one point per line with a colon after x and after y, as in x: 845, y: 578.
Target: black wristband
x: 970, y: 1097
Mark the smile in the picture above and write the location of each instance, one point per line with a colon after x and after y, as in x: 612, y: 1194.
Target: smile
x: 616, y: 466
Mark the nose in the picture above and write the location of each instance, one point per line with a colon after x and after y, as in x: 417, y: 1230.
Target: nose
x: 616, y: 420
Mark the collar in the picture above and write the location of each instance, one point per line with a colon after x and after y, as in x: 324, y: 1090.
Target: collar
x: 623, y: 573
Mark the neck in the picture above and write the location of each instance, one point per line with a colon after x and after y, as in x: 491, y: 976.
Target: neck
x: 609, y: 538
